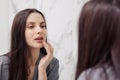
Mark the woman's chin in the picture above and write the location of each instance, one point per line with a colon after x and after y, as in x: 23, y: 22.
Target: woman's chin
x: 36, y: 45
x: 39, y: 46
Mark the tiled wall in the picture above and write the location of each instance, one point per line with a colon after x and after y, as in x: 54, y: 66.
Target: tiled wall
x: 62, y: 20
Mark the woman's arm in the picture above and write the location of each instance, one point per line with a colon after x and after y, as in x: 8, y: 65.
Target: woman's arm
x: 42, y: 74
x: 0, y: 69
x: 45, y: 61
x: 3, y: 67
x: 53, y: 70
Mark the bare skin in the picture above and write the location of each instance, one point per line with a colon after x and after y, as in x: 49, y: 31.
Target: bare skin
x: 35, y: 34
x: 45, y: 61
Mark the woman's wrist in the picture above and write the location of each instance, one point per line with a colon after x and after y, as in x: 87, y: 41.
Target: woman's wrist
x: 42, y: 74
x: 42, y: 70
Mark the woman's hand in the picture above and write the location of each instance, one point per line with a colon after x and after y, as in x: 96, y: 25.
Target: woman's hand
x: 45, y: 61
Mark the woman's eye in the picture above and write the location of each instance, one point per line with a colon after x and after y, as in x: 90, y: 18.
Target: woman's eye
x: 30, y: 27
x: 42, y: 26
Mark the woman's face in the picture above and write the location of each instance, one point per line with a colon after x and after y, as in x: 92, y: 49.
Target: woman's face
x: 35, y: 32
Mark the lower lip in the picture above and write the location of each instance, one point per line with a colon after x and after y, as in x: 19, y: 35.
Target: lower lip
x: 39, y: 41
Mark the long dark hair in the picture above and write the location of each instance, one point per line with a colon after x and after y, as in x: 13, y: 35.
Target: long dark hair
x: 19, y: 52
x: 98, y: 25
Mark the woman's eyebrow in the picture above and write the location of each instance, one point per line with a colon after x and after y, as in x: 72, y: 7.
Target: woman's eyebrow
x: 30, y: 22
x: 42, y: 23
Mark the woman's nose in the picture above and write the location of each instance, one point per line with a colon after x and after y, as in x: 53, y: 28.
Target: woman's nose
x: 38, y: 30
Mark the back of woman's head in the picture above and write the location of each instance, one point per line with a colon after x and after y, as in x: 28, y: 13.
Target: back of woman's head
x: 107, y: 1
x: 98, y: 24
x: 115, y: 2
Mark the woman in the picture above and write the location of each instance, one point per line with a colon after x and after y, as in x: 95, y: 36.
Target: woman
x: 30, y: 56
x: 99, y: 42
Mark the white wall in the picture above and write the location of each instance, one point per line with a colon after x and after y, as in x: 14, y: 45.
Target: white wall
x: 4, y: 35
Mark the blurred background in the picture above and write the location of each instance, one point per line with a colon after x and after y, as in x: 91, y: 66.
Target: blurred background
x: 62, y: 20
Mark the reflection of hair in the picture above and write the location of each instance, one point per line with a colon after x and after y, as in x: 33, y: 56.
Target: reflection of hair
x: 116, y: 2
x: 19, y: 52
x: 98, y: 25
x: 108, y: 1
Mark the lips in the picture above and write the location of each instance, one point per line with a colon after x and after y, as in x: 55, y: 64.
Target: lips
x: 39, y: 39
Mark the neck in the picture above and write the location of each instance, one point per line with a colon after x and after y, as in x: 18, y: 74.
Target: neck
x: 34, y: 55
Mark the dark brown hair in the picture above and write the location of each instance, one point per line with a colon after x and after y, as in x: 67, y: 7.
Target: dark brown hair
x: 107, y: 1
x: 98, y: 25
x: 19, y: 52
